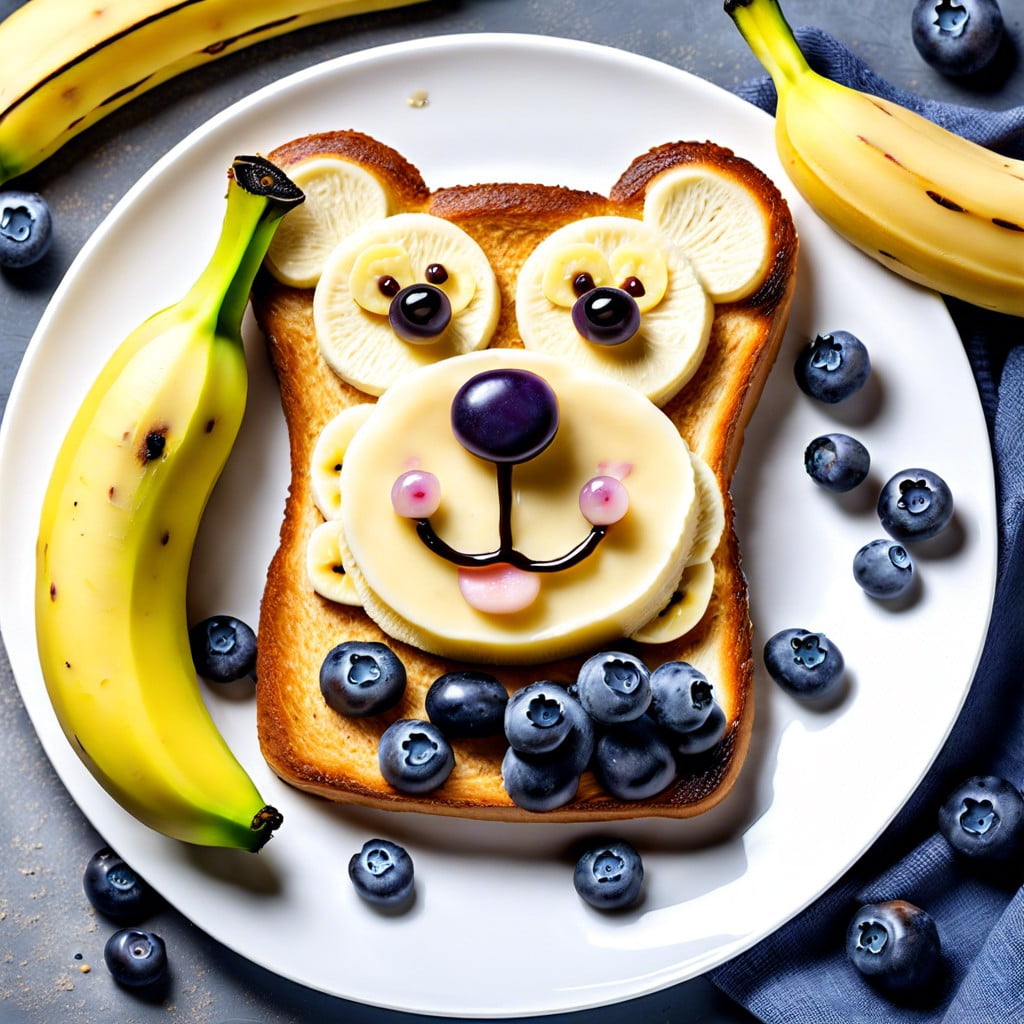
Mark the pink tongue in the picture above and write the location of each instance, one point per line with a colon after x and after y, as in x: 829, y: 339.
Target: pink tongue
x: 499, y: 589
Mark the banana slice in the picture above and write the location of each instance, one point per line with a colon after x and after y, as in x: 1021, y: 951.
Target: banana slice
x: 684, y: 609
x: 413, y: 593
x: 674, y: 331
x: 711, y: 518
x: 340, y: 196
x: 325, y: 567
x: 717, y: 223
x: 328, y: 455
x: 358, y: 342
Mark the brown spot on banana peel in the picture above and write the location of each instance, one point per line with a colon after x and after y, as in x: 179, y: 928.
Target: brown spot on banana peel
x: 946, y: 204
x: 154, y: 444
x: 216, y: 49
x: 1007, y: 224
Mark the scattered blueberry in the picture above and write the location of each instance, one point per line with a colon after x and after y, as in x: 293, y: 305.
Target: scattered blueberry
x: 837, y: 462
x: 359, y: 678
x: 467, y: 703
x: 681, y: 696
x: 895, y: 944
x: 957, y: 37
x: 135, y: 957
x: 833, y: 367
x: 983, y: 818
x: 705, y: 736
x: 223, y: 648
x: 382, y: 873
x: 805, y: 664
x: 632, y: 761
x: 883, y: 568
x: 915, y: 504
x: 26, y: 229
x: 609, y: 875
x: 614, y: 687
x: 414, y: 756
x: 539, y: 782
x: 536, y: 719
x: 114, y: 888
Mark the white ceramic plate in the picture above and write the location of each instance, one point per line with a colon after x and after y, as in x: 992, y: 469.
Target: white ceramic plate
x: 497, y: 929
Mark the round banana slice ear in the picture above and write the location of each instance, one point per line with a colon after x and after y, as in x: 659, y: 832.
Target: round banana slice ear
x: 711, y: 514
x: 324, y: 565
x: 328, y: 455
x: 673, y: 335
x: 717, y: 223
x: 358, y: 342
x: 340, y: 196
x: 685, y: 609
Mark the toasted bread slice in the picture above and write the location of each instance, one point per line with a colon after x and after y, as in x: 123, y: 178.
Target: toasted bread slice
x: 317, y: 750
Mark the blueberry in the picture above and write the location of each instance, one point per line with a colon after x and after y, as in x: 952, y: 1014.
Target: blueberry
x: 609, y: 875
x: 26, y: 228
x: 467, y: 703
x: 359, y: 678
x: 883, y: 568
x: 536, y: 719
x: 539, y: 782
x: 915, y: 504
x: 614, y: 687
x: 632, y: 761
x: 805, y: 664
x: 223, y: 648
x: 414, y: 756
x: 382, y: 873
x: 135, y: 957
x: 833, y: 367
x: 957, y: 37
x: 895, y: 944
x: 837, y: 462
x: 681, y: 696
x: 114, y: 888
x: 705, y: 736
x: 983, y: 819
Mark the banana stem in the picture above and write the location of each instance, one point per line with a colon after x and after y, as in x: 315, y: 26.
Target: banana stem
x: 766, y: 31
x: 259, y: 195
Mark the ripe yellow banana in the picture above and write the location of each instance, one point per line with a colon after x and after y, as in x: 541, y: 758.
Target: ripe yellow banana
x: 927, y: 204
x: 116, y: 533
x: 67, y: 63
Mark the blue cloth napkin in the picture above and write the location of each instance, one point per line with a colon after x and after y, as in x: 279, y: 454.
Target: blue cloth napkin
x: 801, y: 973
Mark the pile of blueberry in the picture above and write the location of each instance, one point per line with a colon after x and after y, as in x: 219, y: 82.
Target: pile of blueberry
x: 628, y: 724
x: 26, y: 229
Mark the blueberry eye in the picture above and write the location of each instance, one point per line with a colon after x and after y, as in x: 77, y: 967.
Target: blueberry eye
x: 388, y: 286
x: 606, y: 316
x: 634, y: 286
x: 582, y: 283
x: 436, y: 273
x: 420, y: 313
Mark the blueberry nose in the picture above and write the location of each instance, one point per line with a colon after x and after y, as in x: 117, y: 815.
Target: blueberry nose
x: 420, y: 313
x: 606, y: 316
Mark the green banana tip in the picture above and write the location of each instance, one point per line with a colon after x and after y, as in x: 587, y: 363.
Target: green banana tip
x: 266, y: 822
x: 258, y: 176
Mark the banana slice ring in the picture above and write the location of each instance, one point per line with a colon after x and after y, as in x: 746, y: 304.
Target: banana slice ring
x: 674, y: 330
x: 717, y: 223
x: 359, y: 343
x: 686, y: 608
x: 328, y: 455
x: 340, y: 196
x: 711, y: 517
x: 325, y: 567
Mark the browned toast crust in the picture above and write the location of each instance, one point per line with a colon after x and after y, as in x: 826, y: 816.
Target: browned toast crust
x: 312, y: 747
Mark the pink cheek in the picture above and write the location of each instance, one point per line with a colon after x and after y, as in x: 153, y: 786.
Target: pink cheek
x: 499, y: 589
x: 416, y: 494
x: 603, y: 500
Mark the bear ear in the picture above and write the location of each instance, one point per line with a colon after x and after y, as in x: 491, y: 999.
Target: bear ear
x: 690, y: 193
x: 349, y: 180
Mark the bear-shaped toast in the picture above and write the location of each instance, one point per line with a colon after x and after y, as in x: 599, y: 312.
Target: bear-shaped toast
x: 514, y: 412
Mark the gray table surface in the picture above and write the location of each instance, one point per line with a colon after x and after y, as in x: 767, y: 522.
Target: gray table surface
x: 51, y: 942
